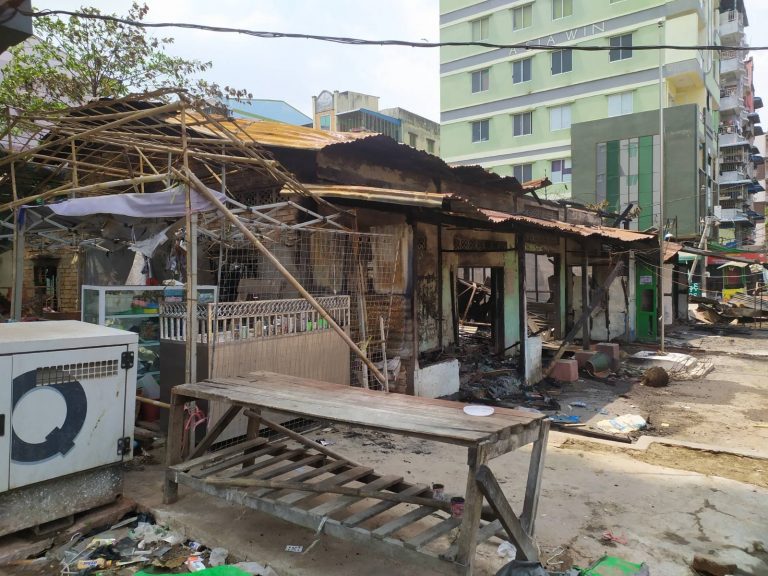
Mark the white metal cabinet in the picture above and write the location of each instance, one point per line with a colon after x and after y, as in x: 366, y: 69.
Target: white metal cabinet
x: 5, y: 425
x: 66, y: 397
x: 68, y: 413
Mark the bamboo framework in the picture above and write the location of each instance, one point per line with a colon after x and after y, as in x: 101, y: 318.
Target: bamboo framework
x: 143, y: 144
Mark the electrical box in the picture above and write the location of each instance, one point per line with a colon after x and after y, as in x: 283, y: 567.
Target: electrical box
x: 67, y: 405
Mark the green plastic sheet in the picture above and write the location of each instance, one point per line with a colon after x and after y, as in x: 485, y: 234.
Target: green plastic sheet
x: 612, y: 566
x: 215, y: 571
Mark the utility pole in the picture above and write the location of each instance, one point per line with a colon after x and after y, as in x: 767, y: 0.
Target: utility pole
x: 661, y: 188
x: 702, y: 246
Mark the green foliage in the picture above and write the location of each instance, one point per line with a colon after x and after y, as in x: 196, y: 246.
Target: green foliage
x: 75, y: 60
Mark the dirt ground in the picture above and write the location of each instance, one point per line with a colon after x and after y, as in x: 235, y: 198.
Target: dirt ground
x: 695, y: 483
x: 728, y: 408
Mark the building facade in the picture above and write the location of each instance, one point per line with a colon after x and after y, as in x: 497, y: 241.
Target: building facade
x: 357, y: 112
x: 737, y: 219
x: 512, y: 110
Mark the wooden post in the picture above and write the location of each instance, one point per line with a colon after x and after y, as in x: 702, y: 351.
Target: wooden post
x: 173, y: 450
x: 384, y: 353
x: 533, y: 486
x: 506, y: 516
x: 586, y: 328
x: 17, y: 295
x: 523, y: 306
x: 252, y: 429
x: 473, y: 508
x: 17, y: 291
x: 75, y: 178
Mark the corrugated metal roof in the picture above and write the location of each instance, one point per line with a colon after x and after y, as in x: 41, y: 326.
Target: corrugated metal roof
x: 276, y: 133
x: 384, y: 195
x: 269, y: 110
x: 577, y: 229
x: 438, y: 201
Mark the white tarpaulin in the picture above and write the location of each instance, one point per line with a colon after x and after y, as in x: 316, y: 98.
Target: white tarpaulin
x: 168, y: 203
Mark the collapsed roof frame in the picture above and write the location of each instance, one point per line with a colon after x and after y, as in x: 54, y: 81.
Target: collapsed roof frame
x: 144, y: 151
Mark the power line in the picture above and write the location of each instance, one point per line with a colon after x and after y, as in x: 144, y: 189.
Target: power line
x: 364, y: 42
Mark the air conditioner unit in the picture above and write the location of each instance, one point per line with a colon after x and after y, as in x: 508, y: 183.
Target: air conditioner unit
x: 67, y: 404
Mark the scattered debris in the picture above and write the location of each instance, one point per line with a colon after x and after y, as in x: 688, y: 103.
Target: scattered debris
x: 565, y: 418
x: 708, y: 566
x: 507, y: 550
x: 622, y: 424
x: 138, y: 543
x: 655, y: 377
x: 609, y: 536
x: 294, y: 548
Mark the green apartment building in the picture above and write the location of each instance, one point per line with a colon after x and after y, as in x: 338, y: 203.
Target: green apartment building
x: 513, y: 110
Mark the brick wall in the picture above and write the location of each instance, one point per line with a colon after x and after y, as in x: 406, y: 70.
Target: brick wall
x: 67, y: 265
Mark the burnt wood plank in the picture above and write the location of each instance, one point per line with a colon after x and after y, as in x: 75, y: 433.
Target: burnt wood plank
x: 309, y: 474
x: 219, y: 455
x: 235, y: 460
x: 430, y: 534
x: 376, y: 509
x: 426, y: 418
x: 284, y: 469
x: 402, y: 521
x: 498, y: 501
x: 214, y: 431
x: 483, y: 534
x: 344, y: 501
x: 339, y: 479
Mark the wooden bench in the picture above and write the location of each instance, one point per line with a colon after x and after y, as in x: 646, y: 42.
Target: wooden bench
x: 294, y: 483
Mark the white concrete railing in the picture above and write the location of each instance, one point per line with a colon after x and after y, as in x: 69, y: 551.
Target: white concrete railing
x: 231, y: 321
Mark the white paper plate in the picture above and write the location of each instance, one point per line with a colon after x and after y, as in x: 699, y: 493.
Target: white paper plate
x: 478, y: 410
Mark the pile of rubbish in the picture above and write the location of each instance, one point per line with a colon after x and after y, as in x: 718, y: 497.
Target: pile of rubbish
x: 739, y: 308
x: 137, y: 546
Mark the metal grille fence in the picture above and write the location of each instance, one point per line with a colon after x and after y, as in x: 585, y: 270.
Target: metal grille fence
x: 352, y: 275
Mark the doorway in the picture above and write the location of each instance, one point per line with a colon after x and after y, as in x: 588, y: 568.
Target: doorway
x: 480, y: 306
x: 647, y: 303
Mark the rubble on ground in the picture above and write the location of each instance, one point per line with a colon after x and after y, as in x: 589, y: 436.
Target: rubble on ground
x: 137, y: 546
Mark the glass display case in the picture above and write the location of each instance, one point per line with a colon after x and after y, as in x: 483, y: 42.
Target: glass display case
x: 137, y: 309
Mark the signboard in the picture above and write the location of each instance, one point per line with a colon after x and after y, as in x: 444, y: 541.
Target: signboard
x: 646, y: 280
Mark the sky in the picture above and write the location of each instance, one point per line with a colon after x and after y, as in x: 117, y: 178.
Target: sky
x: 295, y: 70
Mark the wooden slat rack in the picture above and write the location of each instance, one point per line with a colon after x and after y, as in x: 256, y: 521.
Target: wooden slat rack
x: 298, y: 480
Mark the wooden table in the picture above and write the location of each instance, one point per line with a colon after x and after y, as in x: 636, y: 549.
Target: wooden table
x: 270, y: 476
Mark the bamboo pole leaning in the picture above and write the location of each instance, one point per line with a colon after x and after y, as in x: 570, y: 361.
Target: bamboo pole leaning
x: 227, y: 213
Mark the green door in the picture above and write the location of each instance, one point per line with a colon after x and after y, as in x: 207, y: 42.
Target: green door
x: 647, y: 303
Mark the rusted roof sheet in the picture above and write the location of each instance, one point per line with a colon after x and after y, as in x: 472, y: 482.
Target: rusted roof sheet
x: 274, y: 133
x: 447, y: 203
x: 384, y: 195
x: 576, y: 229
x: 671, y: 249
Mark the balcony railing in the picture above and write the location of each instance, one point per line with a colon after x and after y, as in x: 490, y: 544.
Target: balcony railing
x: 729, y: 176
x: 733, y: 67
x: 230, y: 321
x: 731, y: 24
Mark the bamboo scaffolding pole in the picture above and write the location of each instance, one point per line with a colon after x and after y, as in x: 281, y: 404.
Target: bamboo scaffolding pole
x: 97, y: 168
x: 82, y: 189
x: 191, y: 238
x: 145, y: 159
x: 92, y: 131
x: 202, y: 189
